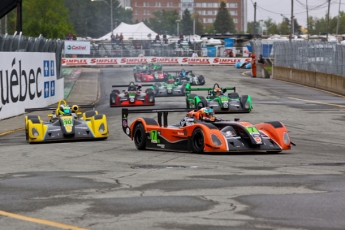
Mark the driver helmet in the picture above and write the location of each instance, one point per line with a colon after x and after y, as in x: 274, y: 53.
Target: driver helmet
x: 139, y: 87
x: 65, y: 110
x: 207, y: 114
x: 171, y: 80
x: 183, y: 72
x: 217, y: 91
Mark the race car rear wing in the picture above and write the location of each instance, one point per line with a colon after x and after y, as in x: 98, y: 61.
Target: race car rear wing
x: 189, y: 88
x: 160, y: 113
x: 28, y: 110
x: 131, y: 85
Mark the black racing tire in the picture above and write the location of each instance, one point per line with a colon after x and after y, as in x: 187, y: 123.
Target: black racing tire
x: 149, y: 90
x: 183, y: 88
x: 201, y: 80
x: 150, y: 94
x: 136, y: 79
x: 198, y: 141
x: 157, y: 85
x: 115, y: 91
x: 139, y: 137
x: 201, y: 104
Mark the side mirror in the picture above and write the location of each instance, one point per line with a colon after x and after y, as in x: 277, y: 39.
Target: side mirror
x: 224, y: 90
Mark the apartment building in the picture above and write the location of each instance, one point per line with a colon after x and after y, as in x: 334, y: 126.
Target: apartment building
x: 207, y: 9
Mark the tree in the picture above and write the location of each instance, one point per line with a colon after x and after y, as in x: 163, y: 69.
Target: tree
x: 186, y: 23
x: 224, y: 22
x: 49, y: 18
x: 164, y: 21
x: 199, y: 28
x: 284, y: 27
x: 271, y: 27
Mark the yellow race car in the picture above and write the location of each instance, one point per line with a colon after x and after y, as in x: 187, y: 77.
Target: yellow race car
x: 66, y: 124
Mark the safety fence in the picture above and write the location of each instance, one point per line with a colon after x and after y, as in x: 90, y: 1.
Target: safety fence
x: 20, y: 43
x: 325, y: 57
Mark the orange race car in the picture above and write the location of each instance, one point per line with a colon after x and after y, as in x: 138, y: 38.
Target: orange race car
x: 200, y: 131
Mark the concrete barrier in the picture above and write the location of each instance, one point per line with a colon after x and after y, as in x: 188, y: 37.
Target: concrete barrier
x: 261, y: 71
x: 325, y: 81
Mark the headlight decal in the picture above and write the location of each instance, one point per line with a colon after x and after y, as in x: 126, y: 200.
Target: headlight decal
x: 101, y: 128
x: 286, y: 138
x: 216, y: 141
x: 34, y: 132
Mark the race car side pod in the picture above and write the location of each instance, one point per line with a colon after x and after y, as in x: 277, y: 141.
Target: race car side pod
x: 159, y: 112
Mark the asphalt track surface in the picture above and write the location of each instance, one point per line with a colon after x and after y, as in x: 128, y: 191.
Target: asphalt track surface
x: 111, y: 185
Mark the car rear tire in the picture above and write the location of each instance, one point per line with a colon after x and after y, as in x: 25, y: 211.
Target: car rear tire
x: 139, y: 137
x: 201, y: 80
x: 198, y: 141
x: 202, y: 103
x: 191, y: 96
x: 137, y: 79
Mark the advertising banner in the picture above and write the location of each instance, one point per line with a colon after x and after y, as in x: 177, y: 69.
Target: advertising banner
x: 77, y: 47
x: 28, y: 80
x: 140, y: 60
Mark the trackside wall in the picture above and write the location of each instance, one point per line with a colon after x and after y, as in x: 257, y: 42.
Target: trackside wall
x: 28, y: 80
x: 325, y: 81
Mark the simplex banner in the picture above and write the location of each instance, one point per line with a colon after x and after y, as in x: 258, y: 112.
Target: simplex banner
x: 77, y: 47
x: 28, y: 80
x: 141, y: 60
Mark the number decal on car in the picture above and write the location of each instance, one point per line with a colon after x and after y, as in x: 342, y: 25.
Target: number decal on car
x: 154, y: 136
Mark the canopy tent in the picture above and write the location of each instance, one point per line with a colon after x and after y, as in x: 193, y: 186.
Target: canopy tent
x: 132, y: 32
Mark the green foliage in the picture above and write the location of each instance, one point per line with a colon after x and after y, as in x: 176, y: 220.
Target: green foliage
x: 49, y: 18
x: 164, y: 21
x: 186, y: 23
x: 224, y: 22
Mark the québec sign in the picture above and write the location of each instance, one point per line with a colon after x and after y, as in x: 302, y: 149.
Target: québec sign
x: 23, y: 77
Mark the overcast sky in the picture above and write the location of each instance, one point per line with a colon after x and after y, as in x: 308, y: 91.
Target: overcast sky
x: 274, y: 9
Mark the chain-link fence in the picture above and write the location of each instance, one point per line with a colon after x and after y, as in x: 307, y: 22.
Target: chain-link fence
x: 20, y: 43
x: 323, y: 57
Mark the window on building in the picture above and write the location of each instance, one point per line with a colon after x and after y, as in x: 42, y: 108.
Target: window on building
x: 144, y: 4
x: 136, y: 12
x: 210, y: 20
x: 235, y: 20
x: 144, y: 12
x: 135, y: 4
x: 148, y: 4
x: 233, y: 12
x: 204, y: 4
x: 215, y: 5
x: 209, y: 5
x: 231, y: 5
x: 197, y: 4
x: 148, y: 12
x: 210, y: 12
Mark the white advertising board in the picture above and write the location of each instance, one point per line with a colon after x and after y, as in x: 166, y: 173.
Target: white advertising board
x: 28, y: 80
x: 77, y: 47
x: 163, y: 60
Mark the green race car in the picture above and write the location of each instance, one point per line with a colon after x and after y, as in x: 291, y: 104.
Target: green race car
x: 172, y: 87
x: 218, y: 100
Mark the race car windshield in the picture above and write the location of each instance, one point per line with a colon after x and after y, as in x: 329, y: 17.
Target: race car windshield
x: 67, y: 111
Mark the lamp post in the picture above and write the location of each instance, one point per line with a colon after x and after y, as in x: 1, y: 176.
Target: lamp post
x: 178, y: 25
x: 111, y: 11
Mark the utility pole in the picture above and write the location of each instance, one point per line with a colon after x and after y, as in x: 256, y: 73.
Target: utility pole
x: 292, y: 32
x: 254, y: 26
x: 338, y: 18
x: 329, y: 4
x: 307, y: 19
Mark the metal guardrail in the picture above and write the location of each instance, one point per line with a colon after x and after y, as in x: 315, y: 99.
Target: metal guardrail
x: 325, y: 57
x: 20, y: 43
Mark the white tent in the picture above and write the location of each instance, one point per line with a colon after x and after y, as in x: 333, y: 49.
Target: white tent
x: 131, y: 32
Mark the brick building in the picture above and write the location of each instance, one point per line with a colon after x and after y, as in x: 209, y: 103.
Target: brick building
x: 207, y: 9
